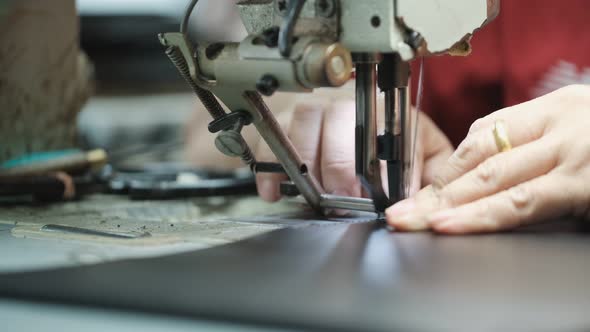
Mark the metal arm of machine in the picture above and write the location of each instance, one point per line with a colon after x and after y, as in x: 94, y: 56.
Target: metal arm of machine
x: 300, y: 45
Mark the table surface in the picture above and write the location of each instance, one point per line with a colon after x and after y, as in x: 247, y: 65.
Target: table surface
x: 33, y: 316
x: 347, y: 277
x: 175, y: 227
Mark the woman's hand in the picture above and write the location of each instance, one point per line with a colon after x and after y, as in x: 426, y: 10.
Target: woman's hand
x: 546, y: 175
x: 322, y: 131
x: 323, y: 134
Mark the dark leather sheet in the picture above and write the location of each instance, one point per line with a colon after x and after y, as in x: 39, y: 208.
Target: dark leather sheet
x: 353, y: 277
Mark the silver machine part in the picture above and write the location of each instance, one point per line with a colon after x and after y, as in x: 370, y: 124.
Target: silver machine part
x: 300, y: 45
x: 408, y: 134
x: 281, y: 146
x: 367, y: 161
x: 397, y: 123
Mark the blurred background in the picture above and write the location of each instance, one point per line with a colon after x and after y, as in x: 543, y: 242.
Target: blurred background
x: 92, y: 74
x: 141, y: 104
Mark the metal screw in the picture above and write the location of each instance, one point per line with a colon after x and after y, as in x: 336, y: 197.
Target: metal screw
x: 337, y: 65
x: 271, y: 37
x: 231, y: 143
x: 415, y: 40
x: 212, y: 51
x: 289, y: 189
x: 267, y: 85
x: 325, y: 8
x: 281, y: 7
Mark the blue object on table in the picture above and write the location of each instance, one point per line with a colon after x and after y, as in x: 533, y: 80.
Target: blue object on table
x: 37, y: 157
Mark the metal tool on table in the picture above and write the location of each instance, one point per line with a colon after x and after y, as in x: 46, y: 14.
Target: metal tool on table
x: 49, y: 176
x: 300, y: 45
x: 170, y: 182
x: 65, y: 175
x: 41, y: 163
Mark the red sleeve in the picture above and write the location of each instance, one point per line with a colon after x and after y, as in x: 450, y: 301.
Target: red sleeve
x: 532, y: 48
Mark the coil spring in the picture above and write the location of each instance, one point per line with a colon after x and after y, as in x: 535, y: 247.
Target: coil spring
x: 248, y: 158
x: 207, y: 98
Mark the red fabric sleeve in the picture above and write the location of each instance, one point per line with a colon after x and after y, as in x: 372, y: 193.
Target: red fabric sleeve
x: 533, y: 47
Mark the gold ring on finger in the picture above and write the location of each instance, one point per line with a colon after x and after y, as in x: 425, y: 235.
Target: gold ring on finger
x: 501, y: 136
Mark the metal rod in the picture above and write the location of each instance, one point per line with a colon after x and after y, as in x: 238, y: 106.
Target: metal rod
x: 294, y: 8
x: 347, y: 203
x: 393, y: 80
x: 360, y: 121
x: 366, y: 144
x: 406, y: 137
x: 395, y: 165
x: 91, y: 232
x: 366, y: 104
x: 187, y: 14
x: 281, y: 146
x: 390, y: 107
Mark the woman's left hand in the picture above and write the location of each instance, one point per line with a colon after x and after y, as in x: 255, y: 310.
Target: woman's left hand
x: 546, y: 175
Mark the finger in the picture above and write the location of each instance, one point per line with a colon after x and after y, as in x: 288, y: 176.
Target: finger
x: 305, y: 132
x: 540, y: 199
x: 498, y: 173
x: 437, y: 149
x: 418, y: 167
x: 479, y: 145
x: 338, y: 174
x: 433, y: 164
x: 404, y: 216
x: 434, y: 149
x: 268, y: 184
x: 531, y: 112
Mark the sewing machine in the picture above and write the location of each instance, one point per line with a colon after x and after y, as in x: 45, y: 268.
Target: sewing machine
x: 297, y: 46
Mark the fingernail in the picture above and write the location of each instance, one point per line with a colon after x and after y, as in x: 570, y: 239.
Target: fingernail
x: 411, y: 223
x: 402, y: 216
x: 267, y: 190
x: 448, y: 227
x: 402, y: 208
x: 441, y: 217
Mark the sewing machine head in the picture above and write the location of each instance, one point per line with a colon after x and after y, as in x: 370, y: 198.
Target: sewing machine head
x: 299, y: 45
